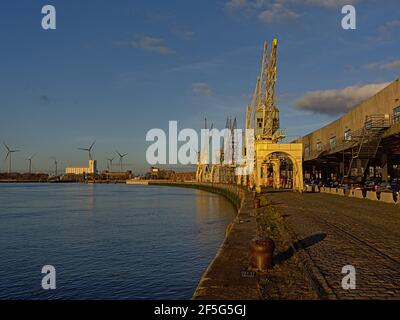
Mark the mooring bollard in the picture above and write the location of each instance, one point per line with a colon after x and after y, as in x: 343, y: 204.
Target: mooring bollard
x: 261, y: 253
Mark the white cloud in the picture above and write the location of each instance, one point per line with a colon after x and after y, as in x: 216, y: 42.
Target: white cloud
x: 147, y: 43
x: 277, y: 13
x: 392, y: 65
x: 272, y: 11
x: 268, y: 11
x: 336, y: 101
x: 201, y: 88
x: 390, y: 26
x: 322, y: 3
x: 389, y: 32
x: 267, y: 4
x: 235, y: 4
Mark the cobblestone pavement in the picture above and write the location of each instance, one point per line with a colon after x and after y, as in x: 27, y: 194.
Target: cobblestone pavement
x: 335, y: 231
x: 286, y: 280
x: 229, y: 275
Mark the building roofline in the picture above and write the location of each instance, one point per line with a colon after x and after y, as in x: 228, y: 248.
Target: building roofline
x: 351, y: 110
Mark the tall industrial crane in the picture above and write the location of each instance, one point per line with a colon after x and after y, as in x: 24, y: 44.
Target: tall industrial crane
x: 203, y: 170
x: 266, y: 114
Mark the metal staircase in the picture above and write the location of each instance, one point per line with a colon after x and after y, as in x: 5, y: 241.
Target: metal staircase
x: 365, y: 142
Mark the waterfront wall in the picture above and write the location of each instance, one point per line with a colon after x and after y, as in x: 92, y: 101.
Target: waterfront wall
x: 233, y: 193
x: 223, y: 279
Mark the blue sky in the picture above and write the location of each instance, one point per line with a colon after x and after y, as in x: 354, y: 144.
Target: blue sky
x: 112, y: 70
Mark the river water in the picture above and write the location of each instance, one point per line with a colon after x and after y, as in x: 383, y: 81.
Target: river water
x: 108, y: 241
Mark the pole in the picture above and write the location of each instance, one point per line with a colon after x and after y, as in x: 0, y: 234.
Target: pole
x: 9, y: 164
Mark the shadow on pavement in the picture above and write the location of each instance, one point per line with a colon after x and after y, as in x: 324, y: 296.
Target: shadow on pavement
x: 276, y: 190
x: 298, y: 245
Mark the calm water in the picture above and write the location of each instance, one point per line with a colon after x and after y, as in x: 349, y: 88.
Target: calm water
x: 107, y: 241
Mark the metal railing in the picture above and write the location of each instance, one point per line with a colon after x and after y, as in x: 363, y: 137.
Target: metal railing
x: 374, y: 124
x: 368, y: 141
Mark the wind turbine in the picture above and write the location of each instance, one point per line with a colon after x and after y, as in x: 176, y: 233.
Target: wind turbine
x: 30, y: 162
x: 56, y: 164
x: 110, y: 162
x: 121, y: 156
x: 9, y: 153
x: 89, y: 150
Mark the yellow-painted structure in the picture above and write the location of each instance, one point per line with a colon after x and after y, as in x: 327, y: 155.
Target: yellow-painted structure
x: 262, y: 116
x: 265, y: 151
x: 267, y: 148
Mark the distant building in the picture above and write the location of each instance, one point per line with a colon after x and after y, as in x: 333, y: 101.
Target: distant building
x: 154, y: 173
x: 184, y: 176
x: 91, y: 169
x: 116, y: 176
x: 160, y: 174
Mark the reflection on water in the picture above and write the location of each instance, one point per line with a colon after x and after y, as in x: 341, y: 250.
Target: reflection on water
x: 108, y: 241
x: 210, y: 210
x: 90, y: 197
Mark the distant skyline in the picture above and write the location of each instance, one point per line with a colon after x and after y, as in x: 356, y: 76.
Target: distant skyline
x: 112, y: 70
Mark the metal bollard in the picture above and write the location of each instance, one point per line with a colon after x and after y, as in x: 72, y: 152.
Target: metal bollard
x: 261, y: 253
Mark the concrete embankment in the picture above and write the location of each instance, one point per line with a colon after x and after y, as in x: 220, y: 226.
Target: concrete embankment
x: 233, y: 193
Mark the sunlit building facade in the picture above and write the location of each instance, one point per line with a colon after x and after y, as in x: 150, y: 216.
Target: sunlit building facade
x: 91, y: 169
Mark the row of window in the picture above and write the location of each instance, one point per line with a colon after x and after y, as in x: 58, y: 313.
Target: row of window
x: 348, y: 134
x: 332, y: 142
x: 396, y: 114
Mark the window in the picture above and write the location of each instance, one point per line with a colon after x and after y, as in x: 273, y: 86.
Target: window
x: 396, y: 114
x: 332, y: 142
x: 259, y: 122
x: 319, y: 146
x: 347, y: 135
x: 307, y: 151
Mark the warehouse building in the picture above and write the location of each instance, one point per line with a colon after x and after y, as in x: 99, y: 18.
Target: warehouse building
x: 363, y: 143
